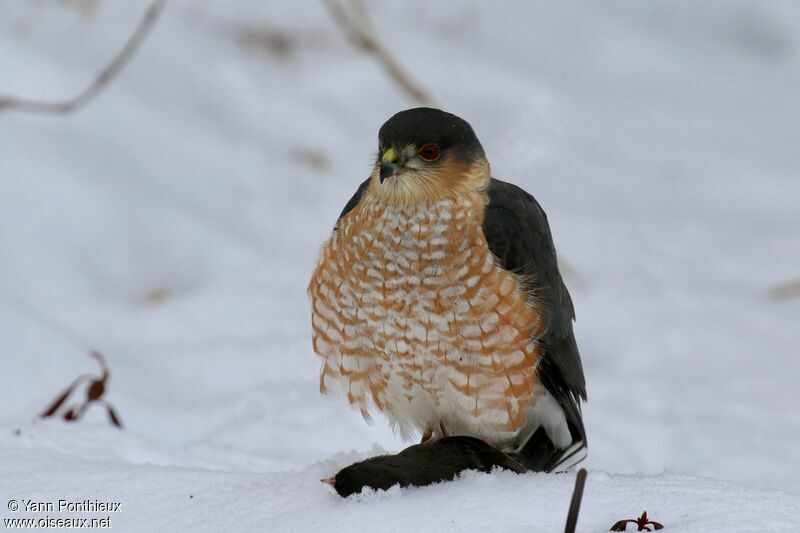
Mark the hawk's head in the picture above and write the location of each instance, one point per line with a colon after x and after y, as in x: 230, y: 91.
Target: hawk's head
x: 427, y: 154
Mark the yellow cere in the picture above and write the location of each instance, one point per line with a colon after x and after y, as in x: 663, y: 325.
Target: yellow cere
x: 389, y: 155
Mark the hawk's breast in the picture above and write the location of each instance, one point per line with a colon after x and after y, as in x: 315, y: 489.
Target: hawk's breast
x: 411, y: 311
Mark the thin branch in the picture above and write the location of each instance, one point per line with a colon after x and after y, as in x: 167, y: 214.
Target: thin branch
x: 123, y: 57
x: 575, y: 503
x: 354, y: 25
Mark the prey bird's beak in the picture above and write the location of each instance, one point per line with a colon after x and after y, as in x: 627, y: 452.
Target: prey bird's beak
x: 388, y: 164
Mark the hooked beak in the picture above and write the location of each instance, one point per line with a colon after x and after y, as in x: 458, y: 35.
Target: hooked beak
x: 388, y: 164
x: 387, y: 169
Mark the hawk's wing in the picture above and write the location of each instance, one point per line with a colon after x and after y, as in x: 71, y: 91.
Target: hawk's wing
x: 353, y: 202
x: 518, y: 235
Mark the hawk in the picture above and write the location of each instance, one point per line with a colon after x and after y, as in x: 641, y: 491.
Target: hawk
x: 437, y: 300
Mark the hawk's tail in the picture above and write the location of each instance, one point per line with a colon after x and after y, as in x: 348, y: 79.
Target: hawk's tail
x: 539, y: 454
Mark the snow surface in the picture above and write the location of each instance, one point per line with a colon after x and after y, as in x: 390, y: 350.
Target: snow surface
x: 661, y: 138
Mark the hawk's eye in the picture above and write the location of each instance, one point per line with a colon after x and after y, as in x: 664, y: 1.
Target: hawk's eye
x: 430, y: 152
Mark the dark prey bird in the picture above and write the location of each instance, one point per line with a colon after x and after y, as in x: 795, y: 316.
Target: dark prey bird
x: 422, y: 464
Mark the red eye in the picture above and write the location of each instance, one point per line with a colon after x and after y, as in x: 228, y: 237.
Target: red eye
x: 430, y: 152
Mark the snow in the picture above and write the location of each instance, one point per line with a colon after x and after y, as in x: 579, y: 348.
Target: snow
x: 660, y: 137
x: 179, y: 498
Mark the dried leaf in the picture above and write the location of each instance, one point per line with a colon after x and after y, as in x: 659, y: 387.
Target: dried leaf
x: 96, y: 390
x: 57, y: 402
x: 621, y: 525
x: 94, y: 394
x: 102, y: 362
x: 643, y: 523
x: 112, y: 414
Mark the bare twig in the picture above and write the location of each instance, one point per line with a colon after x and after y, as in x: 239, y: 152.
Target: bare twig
x: 66, y: 107
x: 355, y: 26
x: 786, y: 290
x: 575, y: 504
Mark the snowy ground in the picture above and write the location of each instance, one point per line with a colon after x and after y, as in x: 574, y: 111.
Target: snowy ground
x: 661, y: 138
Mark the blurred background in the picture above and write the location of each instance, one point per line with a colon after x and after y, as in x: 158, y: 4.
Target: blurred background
x: 173, y: 222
